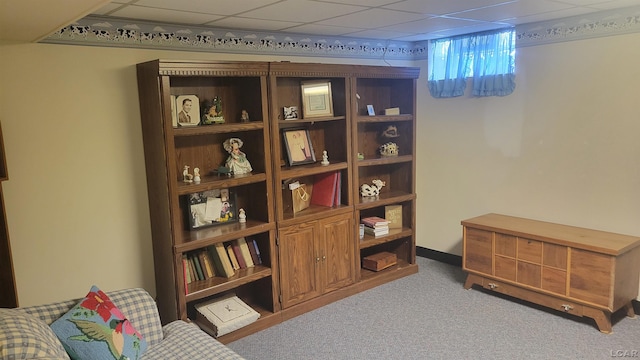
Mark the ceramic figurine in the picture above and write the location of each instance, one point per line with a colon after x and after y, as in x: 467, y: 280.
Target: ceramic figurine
x: 373, y: 190
x: 196, y: 175
x: 237, y: 161
x: 242, y: 216
x: 186, y: 177
x: 325, y: 158
x: 244, y: 116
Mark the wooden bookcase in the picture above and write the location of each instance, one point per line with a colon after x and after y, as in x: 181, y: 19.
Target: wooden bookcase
x: 315, y: 245
x: 384, y: 88
x: 241, y: 86
x: 311, y: 257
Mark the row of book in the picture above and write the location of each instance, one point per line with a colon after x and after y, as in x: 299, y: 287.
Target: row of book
x: 221, y: 259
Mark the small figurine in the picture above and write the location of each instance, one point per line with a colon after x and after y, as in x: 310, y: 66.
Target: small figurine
x: 186, y: 177
x: 390, y: 132
x: 373, y: 190
x: 389, y: 149
x: 196, y: 175
x: 237, y: 161
x: 244, y: 116
x: 242, y: 216
x: 360, y: 156
x: 325, y: 158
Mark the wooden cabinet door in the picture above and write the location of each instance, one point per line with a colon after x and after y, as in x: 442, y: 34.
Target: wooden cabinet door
x: 337, y: 255
x: 300, y: 263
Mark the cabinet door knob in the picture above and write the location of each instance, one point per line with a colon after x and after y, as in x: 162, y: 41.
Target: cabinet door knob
x: 492, y: 285
x: 566, y: 307
x: 318, y: 259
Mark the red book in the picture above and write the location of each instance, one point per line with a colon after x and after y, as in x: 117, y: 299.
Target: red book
x: 374, y: 221
x: 337, y: 199
x: 324, y: 189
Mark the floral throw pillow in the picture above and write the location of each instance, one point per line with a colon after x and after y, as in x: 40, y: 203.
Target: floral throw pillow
x: 96, y: 329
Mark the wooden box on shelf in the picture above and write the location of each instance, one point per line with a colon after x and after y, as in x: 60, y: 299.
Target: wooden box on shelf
x: 379, y: 261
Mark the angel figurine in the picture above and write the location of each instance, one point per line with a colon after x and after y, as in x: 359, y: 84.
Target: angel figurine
x: 237, y: 161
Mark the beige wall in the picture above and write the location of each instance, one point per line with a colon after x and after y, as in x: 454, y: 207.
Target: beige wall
x: 563, y: 147
x: 557, y: 149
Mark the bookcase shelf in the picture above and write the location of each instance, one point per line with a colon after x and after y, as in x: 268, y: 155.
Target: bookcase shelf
x: 205, y: 288
x: 370, y: 240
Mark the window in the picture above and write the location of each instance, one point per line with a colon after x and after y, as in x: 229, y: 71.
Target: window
x: 489, y: 58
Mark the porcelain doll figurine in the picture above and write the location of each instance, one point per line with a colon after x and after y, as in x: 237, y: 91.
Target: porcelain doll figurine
x: 237, y: 161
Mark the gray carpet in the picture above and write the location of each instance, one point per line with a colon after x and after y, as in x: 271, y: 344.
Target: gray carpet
x: 429, y: 315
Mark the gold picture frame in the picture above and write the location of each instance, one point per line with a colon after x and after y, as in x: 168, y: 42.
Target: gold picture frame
x: 316, y: 99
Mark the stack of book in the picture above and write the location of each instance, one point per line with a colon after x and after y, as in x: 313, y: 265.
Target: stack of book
x: 376, y: 226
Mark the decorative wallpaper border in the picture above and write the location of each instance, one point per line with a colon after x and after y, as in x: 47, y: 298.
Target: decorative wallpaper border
x: 102, y: 31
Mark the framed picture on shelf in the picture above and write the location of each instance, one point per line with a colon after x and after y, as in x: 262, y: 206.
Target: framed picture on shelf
x: 316, y: 99
x: 187, y: 110
x: 213, y: 207
x: 298, y: 146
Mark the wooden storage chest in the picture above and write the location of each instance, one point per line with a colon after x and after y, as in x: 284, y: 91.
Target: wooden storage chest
x: 576, y: 270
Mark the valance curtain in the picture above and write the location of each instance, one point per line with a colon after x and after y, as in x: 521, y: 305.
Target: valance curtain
x: 487, y: 57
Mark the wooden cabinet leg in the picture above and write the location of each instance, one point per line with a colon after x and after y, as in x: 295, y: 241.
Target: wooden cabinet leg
x: 472, y: 279
x: 602, y: 318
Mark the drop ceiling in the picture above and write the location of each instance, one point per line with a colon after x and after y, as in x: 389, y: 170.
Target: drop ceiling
x: 406, y: 20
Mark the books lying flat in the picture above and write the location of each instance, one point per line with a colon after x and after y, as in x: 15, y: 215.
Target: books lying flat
x: 374, y: 221
x: 376, y: 231
x: 225, y: 314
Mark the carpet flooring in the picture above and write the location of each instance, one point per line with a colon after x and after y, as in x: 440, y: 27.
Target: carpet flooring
x: 429, y: 315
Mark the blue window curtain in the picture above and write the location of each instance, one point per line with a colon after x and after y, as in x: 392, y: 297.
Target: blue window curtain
x: 450, y: 65
x: 487, y: 57
x: 494, y: 64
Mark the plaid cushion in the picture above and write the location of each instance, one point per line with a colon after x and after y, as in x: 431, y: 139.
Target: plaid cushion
x: 186, y: 341
x: 136, y: 304
x: 23, y: 336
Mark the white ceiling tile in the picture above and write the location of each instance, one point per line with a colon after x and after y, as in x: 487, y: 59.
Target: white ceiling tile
x: 315, y: 29
x: 369, y: 3
x: 235, y: 22
x: 550, y: 16
x: 439, y: 7
x: 616, y: 4
x: 377, y: 34
x: 106, y: 9
x: 301, y: 11
x: 512, y: 10
x: 370, y: 19
x: 219, y: 7
x: 169, y: 16
x: 428, y: 25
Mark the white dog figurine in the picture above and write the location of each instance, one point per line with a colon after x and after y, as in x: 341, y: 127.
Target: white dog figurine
x: 367, y: 190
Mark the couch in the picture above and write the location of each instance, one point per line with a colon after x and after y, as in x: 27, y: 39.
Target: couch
x: 25, y: 332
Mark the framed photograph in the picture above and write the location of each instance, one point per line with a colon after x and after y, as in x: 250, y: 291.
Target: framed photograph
x: 213, y: 207
x: 370, y: 110
x: 187, y: 110
x: 316, y: 99
x: 290, y: 112
x: 298, y: 146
